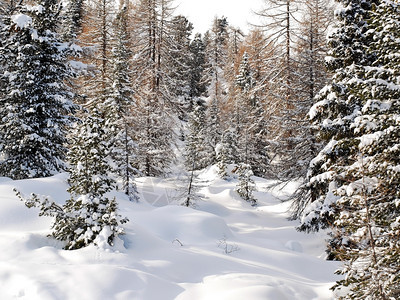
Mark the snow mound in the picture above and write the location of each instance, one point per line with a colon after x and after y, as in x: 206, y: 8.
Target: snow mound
x: 239, y: 286
x: 294, y: 246
x: 185, y: 224
x: 209, y: 173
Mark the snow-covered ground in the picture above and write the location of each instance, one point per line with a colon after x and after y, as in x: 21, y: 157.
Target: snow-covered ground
x: 223, y: 249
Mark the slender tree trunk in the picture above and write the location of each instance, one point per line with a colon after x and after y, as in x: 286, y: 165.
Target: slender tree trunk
x: 288, y: 63
x: 127, y: 175
x: 187, y: 203
x: 104, y: 45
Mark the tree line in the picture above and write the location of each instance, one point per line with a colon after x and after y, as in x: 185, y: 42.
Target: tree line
x: 93, y: 85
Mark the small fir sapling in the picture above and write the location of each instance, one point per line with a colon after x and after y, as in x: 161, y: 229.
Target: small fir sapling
x: 246, y: 185
x: 89, y: 216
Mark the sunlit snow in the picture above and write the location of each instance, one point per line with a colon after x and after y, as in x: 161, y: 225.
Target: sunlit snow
x: 223, y: 249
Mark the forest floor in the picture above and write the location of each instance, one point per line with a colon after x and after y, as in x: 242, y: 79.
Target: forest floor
x: 223, y: 248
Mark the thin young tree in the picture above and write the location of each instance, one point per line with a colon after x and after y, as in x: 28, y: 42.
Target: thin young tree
x: 261, y: 101
x: 120, y: 104
x: 197, y: 66
x: 196, y: 147
x: 246, y: 185
x: 216, y: 53
x: 251, y: 125
x: 227, y: 152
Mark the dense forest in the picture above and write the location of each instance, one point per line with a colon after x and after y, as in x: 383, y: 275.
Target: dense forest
x: 109, y: 92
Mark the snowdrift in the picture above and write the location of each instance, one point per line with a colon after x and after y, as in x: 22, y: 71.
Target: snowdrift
x: 223, y: 249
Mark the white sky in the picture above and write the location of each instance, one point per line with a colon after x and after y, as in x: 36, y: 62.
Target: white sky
x: 202, y: 12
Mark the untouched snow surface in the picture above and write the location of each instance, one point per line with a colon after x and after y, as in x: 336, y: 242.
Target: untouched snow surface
x: 266, y: 258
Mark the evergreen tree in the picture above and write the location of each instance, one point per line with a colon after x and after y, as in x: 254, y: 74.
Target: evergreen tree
x: 262, y: 103
x: 197, y: 66
x: 243, y: 107
x: 353, y: 181
x: 88, y: 156
x: 196, y: 147
x: 250, y: 120
x: 367, y: 210
x: 334, y: 113
x: 227, y: 152
x: 36, y: 101
x: 244, y: 79
x: 73, y: 19
x: 178, y: 64
x: 89, y: 215
x: 246, y: 185
x: 213, y: 134
x: 120, y: 105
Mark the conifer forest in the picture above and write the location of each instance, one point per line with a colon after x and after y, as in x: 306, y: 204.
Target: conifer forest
x: 110, y: 93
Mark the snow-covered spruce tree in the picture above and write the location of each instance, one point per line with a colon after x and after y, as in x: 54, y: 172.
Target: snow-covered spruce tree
x: 334, y: 114
x: 227, y: 152
x: 250, y: 122
x: 222, y: 159
x: 197, y: 65
x: 5, y: 10
x: 368, y: 204
x: 242, y: 107
x: 244, y: 79
x: 368, y: 220
x: 73, y: 18
x: 213, y: 133
x: 261, y: 56
x: 353, y: 181
x: 196, y: 147
x: 246, y: 185
x: 177, y: 65
x: 90, y: 217
x: 119, y: 106
x: 36, y: 101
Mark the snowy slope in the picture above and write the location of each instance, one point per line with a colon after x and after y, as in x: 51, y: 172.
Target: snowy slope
x: 266, y: 259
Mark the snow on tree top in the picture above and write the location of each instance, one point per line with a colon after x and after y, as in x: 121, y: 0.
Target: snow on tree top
x: 36, y: 8
x: 21, y: 20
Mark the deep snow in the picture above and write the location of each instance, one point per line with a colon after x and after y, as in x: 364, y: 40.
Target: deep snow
x: 266, y: 259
